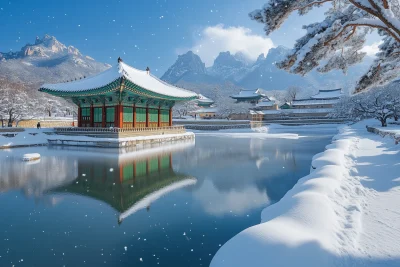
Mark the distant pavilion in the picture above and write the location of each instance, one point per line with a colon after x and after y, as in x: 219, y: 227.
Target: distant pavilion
x: 249, y: 96
x: 121, y: 97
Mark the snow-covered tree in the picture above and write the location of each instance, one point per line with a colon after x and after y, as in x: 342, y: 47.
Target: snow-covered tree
x: 335, y: 43
x: 228, y: 106
x: 14, y: 103
x: 380, y: 103
x: 183, y: 109
x: 291, y: 93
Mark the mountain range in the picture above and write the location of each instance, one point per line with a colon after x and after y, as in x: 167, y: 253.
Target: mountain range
x: 48, y: 60
x: 237, y: 72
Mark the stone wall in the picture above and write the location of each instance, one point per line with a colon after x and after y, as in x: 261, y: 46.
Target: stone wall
x: 46, y: 123
x: 394, y: 136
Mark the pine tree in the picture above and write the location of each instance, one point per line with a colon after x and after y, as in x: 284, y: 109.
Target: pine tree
x: 335, y: 43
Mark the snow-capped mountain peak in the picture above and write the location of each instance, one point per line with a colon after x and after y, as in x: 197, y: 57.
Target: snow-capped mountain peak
x: 47, y: 60
x: 263, y: 73
x: 46, y: 47
x: 186, y: 64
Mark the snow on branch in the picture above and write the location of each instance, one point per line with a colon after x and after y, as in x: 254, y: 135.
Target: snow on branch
x: 339, y: 38
x: 379, y: 103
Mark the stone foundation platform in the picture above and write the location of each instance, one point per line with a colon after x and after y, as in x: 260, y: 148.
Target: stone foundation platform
x: 118, y: 138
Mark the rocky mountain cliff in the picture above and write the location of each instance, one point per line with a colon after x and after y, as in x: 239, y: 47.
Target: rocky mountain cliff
x: 47, y: 60
x: 234, y: 72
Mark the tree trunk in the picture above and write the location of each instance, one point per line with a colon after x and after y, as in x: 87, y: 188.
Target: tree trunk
x: 383, y: 122
x: 10, y: 120
x: 396, y: 118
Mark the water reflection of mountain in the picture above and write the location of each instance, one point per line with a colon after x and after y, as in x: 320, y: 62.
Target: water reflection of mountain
x: 273, y: 166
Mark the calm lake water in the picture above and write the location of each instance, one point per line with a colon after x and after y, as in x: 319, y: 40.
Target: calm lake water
x: 167, y: 206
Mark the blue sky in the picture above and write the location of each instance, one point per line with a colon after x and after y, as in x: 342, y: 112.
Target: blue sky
x: 145, y: 32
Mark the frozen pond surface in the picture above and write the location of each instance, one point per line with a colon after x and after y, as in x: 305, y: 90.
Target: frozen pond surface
x: 169, y: 206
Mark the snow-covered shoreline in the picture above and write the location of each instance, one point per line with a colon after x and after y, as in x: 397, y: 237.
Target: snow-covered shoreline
x: 343, y: 214
x: 38, y: 137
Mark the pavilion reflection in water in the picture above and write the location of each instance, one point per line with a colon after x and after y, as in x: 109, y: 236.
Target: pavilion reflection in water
x: 127, y: 184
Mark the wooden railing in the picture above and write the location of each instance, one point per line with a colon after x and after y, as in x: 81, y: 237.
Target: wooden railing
x: 119, y: 130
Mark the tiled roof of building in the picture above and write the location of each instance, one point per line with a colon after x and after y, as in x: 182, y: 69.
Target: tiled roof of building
x: 248, y: 94
x: 328, y: 94
x: 140, y: 78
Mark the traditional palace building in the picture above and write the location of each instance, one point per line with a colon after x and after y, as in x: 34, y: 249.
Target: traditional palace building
x: 317, y: 106
x: 206, y: 109
x: 250, y: 96
x: 121, y: 97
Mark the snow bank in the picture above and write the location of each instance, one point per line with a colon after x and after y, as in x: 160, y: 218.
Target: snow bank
x: 29, y: 137
x: 345, y: 213
x: 303, y: 227
x: 331, y: 156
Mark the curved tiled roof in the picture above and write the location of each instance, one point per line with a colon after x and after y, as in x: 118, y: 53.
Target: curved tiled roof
x: 248, y: 94
x: 266, y: 102
x: 140, y: 78
x: 328, y: 94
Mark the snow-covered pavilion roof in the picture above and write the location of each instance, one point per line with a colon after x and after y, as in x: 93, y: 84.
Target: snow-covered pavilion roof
x: 310, y: 102
x: 147, y: 200
x: 113, y: 77
x: 266, y: 102
x: 249, y: 94
x: 328, y: 94
x: 203, y: 99
x: 206, y: 110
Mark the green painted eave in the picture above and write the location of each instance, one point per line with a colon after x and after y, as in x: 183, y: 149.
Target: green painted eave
x: 246, y: 98
x: 124, y: 195
x: 113, y: 87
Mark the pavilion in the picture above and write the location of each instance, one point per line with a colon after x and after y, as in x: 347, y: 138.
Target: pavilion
x: 249, y: 96
x: 206, y: 107
x: 121, y: 97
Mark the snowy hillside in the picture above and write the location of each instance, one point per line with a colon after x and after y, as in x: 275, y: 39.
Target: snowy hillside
x: 47, y: 60
x: 234, y: 69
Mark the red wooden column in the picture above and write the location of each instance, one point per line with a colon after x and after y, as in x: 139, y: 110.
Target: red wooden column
x: 147, y: 116
x: 79, y: 117
x: 134, y: 116
x: 91, y: 115
x: 159, y: 117
x: 118, y: 123
x: 170, y: 117
x: 103, y: 116
x: 121, y: 116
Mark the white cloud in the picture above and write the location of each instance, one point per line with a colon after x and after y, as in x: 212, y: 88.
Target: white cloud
x: 372, y: 49
x: 219, y: 38
x: 235, y: 202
